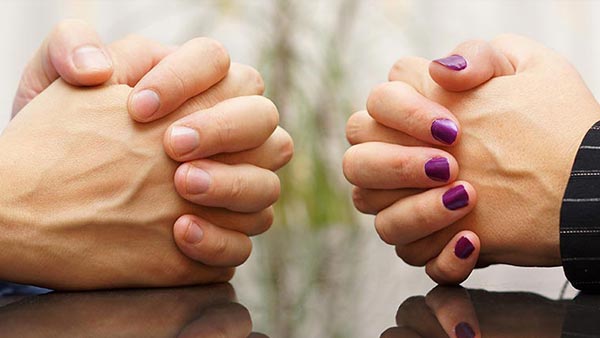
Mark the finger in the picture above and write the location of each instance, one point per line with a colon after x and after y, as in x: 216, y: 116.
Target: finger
x: 72, y: 51
x: 456, y: 261
x: 251, y: 224
x: 209, y: 244
x: 418, y: 216
x: 191, y: 69
x: 222, y: 320
x: 234, y: 125
x: 133, y: 57
x: 361, y: 128
x: 372, y: 201
x: 376, y: 165
x: 276, y: 152
x: 241, y: 187
x: 469, y: 65
x: 454, y: 310
x: 399, y: 106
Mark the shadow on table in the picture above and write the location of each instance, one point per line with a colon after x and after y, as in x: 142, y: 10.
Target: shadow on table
x: 204, y: 311
x: 463, y: 313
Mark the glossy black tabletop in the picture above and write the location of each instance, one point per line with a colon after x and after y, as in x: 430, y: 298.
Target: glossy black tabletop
x: 216, y: 311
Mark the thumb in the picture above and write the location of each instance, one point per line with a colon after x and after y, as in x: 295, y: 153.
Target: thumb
x: 469, y: 65
x: 456, y: 261
x: 72, y: 51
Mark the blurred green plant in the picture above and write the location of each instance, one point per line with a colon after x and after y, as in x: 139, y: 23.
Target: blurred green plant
x: 313, y: 95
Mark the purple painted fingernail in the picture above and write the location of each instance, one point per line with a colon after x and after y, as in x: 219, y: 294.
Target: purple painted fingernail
x: 444, y: 130
x: 438, y: 169
x: 454, y: 62
x: 463, y: 248
x: 456, y: 198
x: 464, y: 330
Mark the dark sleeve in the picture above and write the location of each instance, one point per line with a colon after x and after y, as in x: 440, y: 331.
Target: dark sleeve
x: 580, y: 216
x: 581, y: 319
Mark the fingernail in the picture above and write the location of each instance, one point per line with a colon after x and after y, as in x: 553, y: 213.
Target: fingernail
x: 456, y: 198
x: 464, y: 330
x: 444, y: 130
x: 197, y: 180
x: 145, y: 103
x: 463, y: 248
x: 438, y: 169
x: 90, y: 58
x: 184, y: 139
x: 454, y: 62
x: 194, y: 233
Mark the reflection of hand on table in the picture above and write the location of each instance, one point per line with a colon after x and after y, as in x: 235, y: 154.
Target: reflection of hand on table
x: 208, y: 311
x: 457, y: 312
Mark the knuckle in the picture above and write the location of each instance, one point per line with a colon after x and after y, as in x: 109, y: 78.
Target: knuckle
x: 177, y: 80
x: 360, y: 201
x: 404, y: 65
x: 424, y: 217
x: 245, y: 252
x: 349, y: 164
x: 224, y: 127
x: 445, y: 274
x: 238, y: 188
x: 400, y: 165
x: 223, y: 275
x: 262, y: 221
x: 254, y: 78
x: 286, y: 147
x: 377, y: 98
x: 383, y: 228
x: 219, y: 55
x: 268, y: 108
x: 219, y: 247
x: 275, y: 190
x: 354, y: 128
x: 269, y: 218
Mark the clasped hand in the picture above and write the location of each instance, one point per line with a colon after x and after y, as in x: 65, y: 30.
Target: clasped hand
x: 157, y: 177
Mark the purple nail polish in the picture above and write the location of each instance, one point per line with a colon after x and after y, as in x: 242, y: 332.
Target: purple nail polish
x: 438, y: 169
x: 454, y: 62
x: 463, y: 248
x: 456, y: 198
x: 464, y: 330
x: 444, y: 130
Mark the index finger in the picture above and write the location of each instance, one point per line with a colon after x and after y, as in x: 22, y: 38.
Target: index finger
x: 400, y: 106
x: 190, y: 70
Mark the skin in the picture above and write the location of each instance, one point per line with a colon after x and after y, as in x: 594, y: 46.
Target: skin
x: 208, y: 311
x: 512, y: 101
x: 126, y: 167
x: 495, y: 314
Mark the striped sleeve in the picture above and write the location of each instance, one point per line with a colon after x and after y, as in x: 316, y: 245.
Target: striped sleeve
x: 580, y: 216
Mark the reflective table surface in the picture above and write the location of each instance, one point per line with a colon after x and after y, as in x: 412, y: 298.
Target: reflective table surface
x: 217, y: 311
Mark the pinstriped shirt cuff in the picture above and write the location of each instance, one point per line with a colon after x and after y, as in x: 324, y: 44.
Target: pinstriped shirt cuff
x: 580, y: 216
